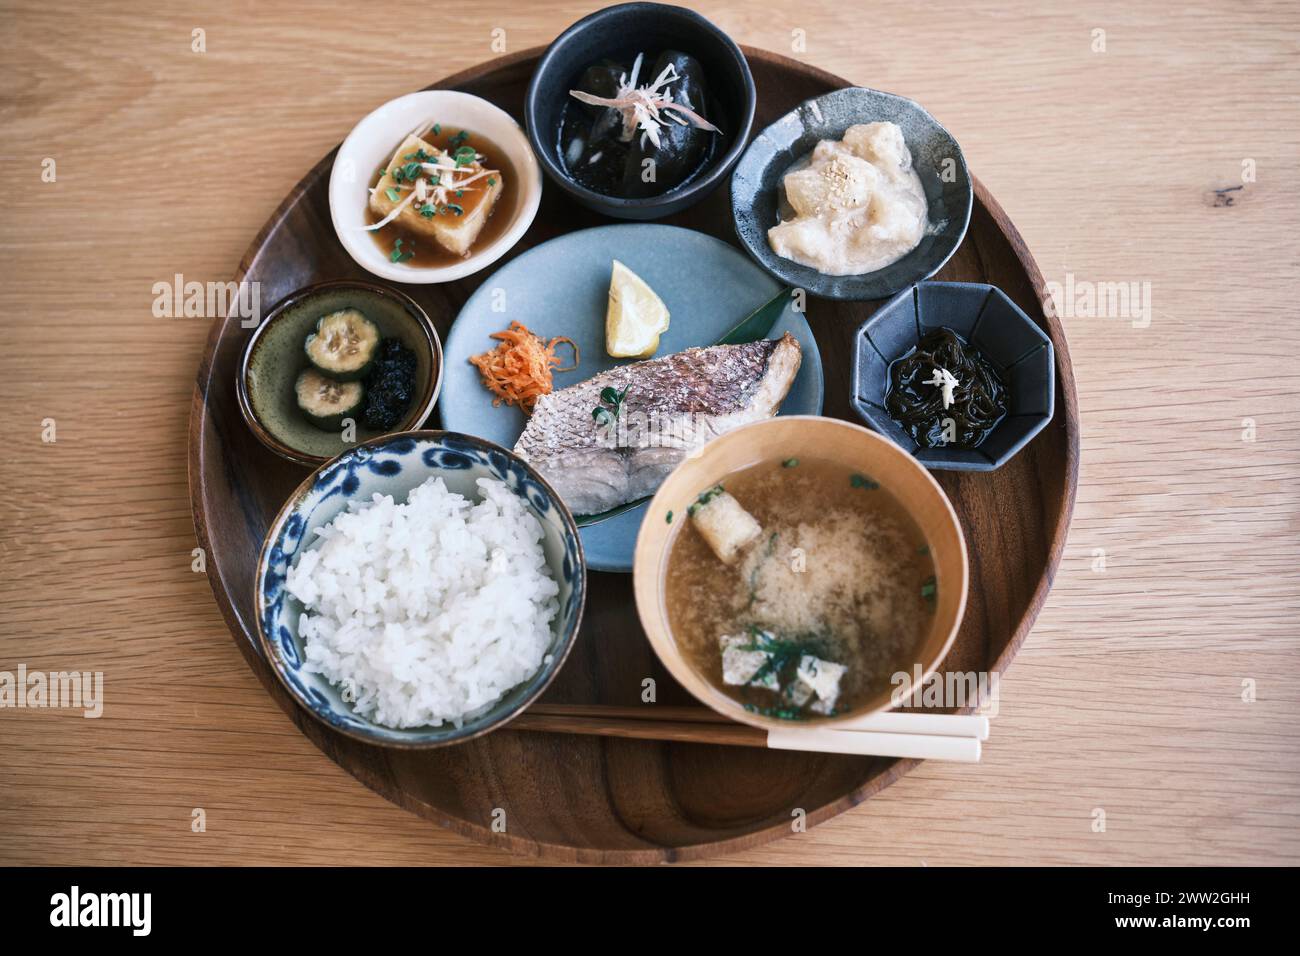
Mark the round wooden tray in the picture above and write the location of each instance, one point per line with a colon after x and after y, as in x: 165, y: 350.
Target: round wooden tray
x: 604, y: 799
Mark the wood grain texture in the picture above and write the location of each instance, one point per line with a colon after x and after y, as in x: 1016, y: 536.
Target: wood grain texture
x: 1127, y: 697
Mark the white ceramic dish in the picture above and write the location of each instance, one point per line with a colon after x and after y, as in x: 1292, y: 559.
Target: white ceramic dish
x: 371, y: 144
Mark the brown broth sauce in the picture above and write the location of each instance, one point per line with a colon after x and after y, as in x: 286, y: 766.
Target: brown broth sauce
x: 859, y: 598
x: 427, y: 251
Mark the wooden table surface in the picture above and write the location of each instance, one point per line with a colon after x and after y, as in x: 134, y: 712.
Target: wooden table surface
x: 1153, y: 715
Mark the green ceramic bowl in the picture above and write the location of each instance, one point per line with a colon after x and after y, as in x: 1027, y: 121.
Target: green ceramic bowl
x: 275, y: 355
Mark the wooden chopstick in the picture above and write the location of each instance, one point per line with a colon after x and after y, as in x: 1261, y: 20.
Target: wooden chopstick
x: 942, y: 725
x: 733, y: 734
x: 700, y: 725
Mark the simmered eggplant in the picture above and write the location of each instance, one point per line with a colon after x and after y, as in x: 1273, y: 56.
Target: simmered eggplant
x: 594, y: 151
x: 682, y: 146
x: 326, y: 401
x: 639, y: 131
x: 343, y: 345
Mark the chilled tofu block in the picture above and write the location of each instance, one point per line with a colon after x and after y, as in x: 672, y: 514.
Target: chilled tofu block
x: 743, y: 660
x: 451, y: 217
x: 726, y: 527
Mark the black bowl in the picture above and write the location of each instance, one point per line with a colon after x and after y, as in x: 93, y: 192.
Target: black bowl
x: 986, y: 318
x: 621, y: 33
x: 756, y: 190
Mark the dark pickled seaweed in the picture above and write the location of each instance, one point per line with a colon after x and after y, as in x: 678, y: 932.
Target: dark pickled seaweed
x: 978, y: 396
x: 390, y: 386
x: 619, y: 118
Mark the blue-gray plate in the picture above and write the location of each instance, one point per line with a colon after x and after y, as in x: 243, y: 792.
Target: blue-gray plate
x: 938, y: 160
x: 562, y: 287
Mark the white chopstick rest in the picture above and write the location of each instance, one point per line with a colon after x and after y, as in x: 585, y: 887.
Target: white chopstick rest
x: 872, y: 744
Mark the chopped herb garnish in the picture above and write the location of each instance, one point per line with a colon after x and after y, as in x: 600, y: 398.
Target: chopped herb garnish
x: 492, y: 180
x: 392, y: 194
x: 704, y: 498
x: 456, y: 140
x: 758, y: 568
x: 459, y: 193
x: 669, y: 518
x: 862, y: 481
x: 608, y: 396
x: 780, y: 713
x: 465, y: 155
x: 437, y: 129
x: 923, y: 549
x: 783, y: 655
x: 428, y: 210
x: 790, y: 463
x: 401, y: 255
x: 411, y: 171
x: 930, y: 590
x: 454, y: 207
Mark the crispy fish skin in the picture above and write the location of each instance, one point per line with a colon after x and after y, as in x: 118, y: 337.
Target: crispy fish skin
x: 673, y: 404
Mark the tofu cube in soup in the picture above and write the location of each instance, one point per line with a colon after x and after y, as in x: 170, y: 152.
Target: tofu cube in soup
x: 451, y: 212
x: 727, y: 527
x: 743, y: 662
x: 821, y: 678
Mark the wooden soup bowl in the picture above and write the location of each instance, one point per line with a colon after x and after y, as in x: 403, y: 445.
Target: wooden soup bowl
x: 804, y: 437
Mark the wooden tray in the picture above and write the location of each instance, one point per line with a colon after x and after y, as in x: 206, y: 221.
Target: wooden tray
x: 602, y: 799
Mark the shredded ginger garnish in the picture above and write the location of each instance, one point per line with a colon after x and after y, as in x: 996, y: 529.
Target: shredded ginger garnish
x: 945, y: 380
x: 438, y: 182
x: 648, y: 107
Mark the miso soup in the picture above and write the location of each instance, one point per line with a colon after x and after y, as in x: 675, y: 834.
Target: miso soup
x: 829, y: 591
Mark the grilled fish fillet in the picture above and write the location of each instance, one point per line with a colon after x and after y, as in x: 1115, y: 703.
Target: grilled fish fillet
x: 672, y: 405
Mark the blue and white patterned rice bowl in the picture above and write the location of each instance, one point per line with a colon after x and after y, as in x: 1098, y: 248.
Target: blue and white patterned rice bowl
x: 394, y: 465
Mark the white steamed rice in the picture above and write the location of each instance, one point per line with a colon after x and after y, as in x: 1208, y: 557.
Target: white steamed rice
x: 428, y: 611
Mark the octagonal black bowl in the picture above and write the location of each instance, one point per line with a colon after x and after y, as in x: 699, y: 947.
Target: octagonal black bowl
x: 757, y: 193
x: 986, y: 318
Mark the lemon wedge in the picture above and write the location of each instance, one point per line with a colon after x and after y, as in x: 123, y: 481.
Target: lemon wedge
x: 636, y: 316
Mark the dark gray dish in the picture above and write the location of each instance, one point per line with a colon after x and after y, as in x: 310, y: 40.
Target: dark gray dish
x: 986, y: 318
x: 756, y: 188
x: 621, y: 32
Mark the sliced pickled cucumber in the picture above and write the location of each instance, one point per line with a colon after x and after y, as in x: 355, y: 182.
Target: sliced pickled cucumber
x: 326, y: 401
x: 343, y: 345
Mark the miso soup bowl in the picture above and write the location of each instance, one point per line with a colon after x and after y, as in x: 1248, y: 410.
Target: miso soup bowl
x: 805, y: 437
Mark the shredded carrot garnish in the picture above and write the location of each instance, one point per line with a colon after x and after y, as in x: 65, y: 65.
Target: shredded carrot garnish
x: 518, y: 371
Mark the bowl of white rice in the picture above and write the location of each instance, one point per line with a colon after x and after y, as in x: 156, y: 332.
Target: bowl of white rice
x: 420, y: 590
